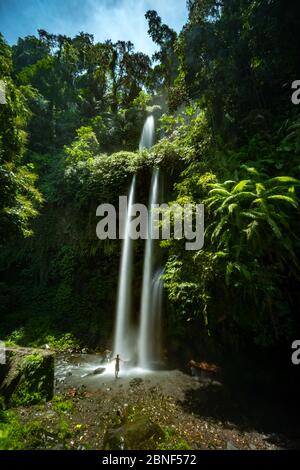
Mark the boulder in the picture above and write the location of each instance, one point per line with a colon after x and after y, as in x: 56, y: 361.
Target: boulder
x: 142, y: 433
x: 27, y: 376
x: 204, y: 370
x: 98, y: 371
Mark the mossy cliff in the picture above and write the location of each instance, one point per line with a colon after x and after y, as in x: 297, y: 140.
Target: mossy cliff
x: 27, y: 377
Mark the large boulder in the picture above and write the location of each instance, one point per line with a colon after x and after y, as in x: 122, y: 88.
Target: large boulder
x: 27, y: 376
x: 142, y: 433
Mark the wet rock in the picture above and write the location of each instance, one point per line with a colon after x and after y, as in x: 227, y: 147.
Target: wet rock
x: 27, y: 377
x: 98, y: 371
x: 59, y: 381
x: 142, y: 433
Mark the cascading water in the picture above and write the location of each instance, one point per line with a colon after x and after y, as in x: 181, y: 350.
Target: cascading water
x: 123, y: 335
x: 147, y: 137
x: 155, y: 331
x: 145, y: 336
x: 148, y: 342
x: 124, y: 341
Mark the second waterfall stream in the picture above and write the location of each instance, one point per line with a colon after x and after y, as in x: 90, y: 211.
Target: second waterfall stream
x: 141, y: 345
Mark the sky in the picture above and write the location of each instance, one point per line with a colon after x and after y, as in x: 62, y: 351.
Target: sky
x: 105, y: 19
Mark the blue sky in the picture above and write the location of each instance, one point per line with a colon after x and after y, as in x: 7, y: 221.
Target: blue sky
x: 105, y: 19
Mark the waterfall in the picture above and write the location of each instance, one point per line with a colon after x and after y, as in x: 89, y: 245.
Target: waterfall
x: 123, y: 333
x: 155, y: 326
x: 149, y: 336
x: 145, y: 336
x: 147, y: 137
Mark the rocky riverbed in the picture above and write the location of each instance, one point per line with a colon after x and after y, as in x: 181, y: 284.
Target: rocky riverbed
x: 158, y: 410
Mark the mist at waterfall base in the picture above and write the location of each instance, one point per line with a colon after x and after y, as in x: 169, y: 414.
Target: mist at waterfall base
x: 139, y: 348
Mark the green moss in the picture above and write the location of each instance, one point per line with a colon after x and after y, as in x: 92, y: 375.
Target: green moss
x: 65, y: 430
x: 61, y: 405
x: 14, y: 435
x: 10, y: 432
x: 34, y: 385
x: 173, y: 441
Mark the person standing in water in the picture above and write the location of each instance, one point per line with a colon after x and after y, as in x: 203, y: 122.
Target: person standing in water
x: 117, y: 365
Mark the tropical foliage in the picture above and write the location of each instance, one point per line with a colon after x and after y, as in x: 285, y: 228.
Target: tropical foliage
x: 227, y: 136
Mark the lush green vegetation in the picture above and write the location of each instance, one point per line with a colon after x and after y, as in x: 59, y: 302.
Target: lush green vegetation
x: 227, y: 136
x: 36, y: 434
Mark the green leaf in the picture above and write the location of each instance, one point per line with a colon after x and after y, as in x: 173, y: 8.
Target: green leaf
x: 274, y: 227
x: 284, y: 179
x: 232, y: 208
x: 281, y: 197
x: 240, y: 186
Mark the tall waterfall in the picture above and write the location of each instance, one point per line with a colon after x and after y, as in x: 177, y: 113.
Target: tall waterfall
x: 123, y: 334
x: 145, y: 334
x: 149, y: 335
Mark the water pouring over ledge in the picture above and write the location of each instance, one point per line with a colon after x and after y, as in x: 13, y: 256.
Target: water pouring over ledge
x: 146, y: 334
x: 126, y: 341
x: 149, y: 307
x: 147, y: 137
x: 123, y: 334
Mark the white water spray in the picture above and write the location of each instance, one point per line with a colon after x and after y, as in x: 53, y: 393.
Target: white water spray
x: 123, y: 343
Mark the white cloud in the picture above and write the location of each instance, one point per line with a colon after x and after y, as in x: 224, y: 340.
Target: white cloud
x: 105, y: 19
x: 125, y: 20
